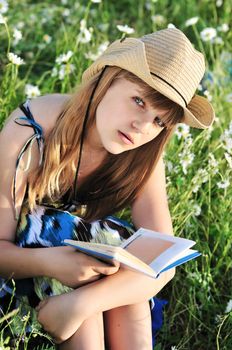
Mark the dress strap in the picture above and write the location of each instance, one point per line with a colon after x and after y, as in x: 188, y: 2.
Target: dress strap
x: 29, y: 121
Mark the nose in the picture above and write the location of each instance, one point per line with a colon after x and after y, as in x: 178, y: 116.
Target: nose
x: 142, y: 127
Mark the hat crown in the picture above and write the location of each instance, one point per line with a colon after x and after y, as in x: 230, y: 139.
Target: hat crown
x: 172, y: 58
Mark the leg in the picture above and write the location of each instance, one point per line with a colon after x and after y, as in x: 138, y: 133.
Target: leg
x: 129, y: 327
x: 90, y: 336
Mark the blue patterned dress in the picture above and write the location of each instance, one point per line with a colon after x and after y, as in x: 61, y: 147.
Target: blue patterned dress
x: 47, y: 226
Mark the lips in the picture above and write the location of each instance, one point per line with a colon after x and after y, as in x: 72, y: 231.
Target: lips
x: 127, y: 136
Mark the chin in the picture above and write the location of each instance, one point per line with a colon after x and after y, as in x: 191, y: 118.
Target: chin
x: 115, y: 149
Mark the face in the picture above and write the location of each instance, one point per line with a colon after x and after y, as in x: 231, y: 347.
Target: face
x: 124, y: 120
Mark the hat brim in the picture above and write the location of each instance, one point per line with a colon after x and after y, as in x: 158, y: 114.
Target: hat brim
x: 199, y: 113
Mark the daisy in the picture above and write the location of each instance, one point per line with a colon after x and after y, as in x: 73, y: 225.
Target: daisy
x: 3, y: 6
x: 15, y: 59
x: 125, y: 29
x: 64, y: 57
x: 224, y: 184
x: 32, y: 91
x: 191, y: 21
x: 158, y: 19
x: 208, y: 34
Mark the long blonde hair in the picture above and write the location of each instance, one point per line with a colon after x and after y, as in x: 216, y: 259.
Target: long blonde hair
x: 116, y: 183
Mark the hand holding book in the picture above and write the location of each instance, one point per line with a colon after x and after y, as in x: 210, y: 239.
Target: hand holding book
x: 155, y: 252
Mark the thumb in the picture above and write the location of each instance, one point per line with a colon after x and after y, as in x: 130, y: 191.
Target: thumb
x: 107, y: 269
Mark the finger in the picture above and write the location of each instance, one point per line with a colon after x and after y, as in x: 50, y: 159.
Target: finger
x: 41, y: 304
x: 107, y: 270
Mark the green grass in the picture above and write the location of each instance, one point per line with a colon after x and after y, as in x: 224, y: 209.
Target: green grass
x: 196, y: 316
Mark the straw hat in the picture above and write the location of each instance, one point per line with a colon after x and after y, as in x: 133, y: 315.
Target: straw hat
x: 167, y: 61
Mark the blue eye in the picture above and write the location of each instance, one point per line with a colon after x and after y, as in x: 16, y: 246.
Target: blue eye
x: 139, y: 101
x: 158, y: 121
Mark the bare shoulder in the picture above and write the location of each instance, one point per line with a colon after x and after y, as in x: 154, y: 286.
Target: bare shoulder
x: 45, y: 110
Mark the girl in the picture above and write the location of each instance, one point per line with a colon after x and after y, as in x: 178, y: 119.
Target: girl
x: 100, y: 150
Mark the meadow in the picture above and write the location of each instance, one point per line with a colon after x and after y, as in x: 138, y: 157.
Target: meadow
x: 45, y: 47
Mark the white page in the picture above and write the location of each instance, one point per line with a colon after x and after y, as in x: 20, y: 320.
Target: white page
x: 157, y: 254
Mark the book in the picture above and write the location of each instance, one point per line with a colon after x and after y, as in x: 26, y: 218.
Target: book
x: 153, y: 252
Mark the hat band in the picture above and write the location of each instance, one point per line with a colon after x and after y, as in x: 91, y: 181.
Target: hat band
x: 171, y: 87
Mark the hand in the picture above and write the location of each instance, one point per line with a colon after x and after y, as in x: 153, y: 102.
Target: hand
x: 61, y: 315
x: 73, y: 268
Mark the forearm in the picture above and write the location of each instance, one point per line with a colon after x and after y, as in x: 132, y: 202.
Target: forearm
x: 123, y: 288
x: 16, y: 262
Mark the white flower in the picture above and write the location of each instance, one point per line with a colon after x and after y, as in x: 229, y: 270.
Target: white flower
x: 200, y: 178
x: 171, y: 25
x: 82, y: 24
x: 64, y: 2
x: 182, y: 130
x: 3, y: 6
x: 200, y: 88
x: 32, y: 91
x: 65, y: 69
x: 218, y: 40
x: 85, y: 35
x: 188, y: 140
x: 219, y: 3
x: 229, y: 159
x: 17, y: 35
x: 227, y: 139
x: 228, y: 306
x: 96, y: 1
x: 20, y: 25
x: 47, y: 38
x: 208, y: 95
x: 62, y: 72
x: 158, y: 19
x: 93, y: 56
x: 223, y: 28
x: 169, y: 165
x: 203, y: 175
x: 54, y: 72
x: 224, y: 184
x: 15, y: 59
x: 208, y: 34
x: 2, y: 19
x: 196, y: 210
x: 125, y: 29
x: 66, y: 12
x: 213, y: 164
x: 186, y: 158
x: 64, y: 58
x: 191, y: 21
x: 228, y: 98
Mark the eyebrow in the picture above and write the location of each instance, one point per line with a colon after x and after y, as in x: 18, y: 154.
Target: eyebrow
x: 139, y: 91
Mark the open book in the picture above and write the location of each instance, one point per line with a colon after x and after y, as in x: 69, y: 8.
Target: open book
x: 155, y: 252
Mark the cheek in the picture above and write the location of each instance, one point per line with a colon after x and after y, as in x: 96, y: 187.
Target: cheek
x: 154, y: 133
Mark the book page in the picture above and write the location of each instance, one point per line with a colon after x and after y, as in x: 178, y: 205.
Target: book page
x: 147, y: 249
x: 166, y: 252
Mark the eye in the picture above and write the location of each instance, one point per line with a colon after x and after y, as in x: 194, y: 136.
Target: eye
x: 139, y: 101
x: 159, y: 122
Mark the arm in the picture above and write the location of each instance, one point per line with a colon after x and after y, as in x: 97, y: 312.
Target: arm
x: 150, y: 211
x: 61, y: 316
